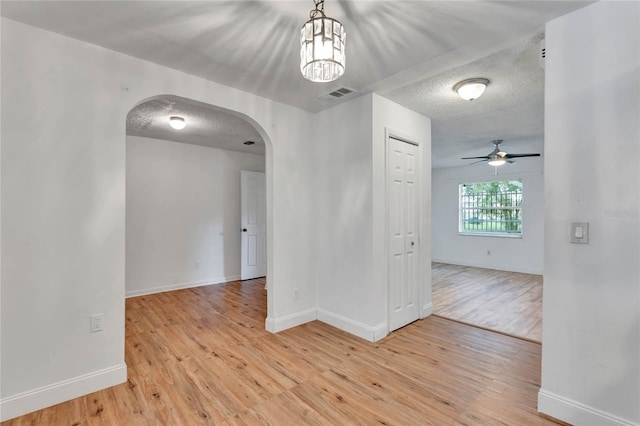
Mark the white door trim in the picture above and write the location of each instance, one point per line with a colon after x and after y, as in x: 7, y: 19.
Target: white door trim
x: 253, y: 212
x: 424, y: 310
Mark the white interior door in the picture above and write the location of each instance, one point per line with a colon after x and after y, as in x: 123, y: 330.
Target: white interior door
x: 254, y: 225
x: 404, y: 214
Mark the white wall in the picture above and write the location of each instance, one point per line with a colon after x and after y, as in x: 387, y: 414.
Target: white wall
x: 342, y: 186
x: 591, y: 334
x: 349, y: 169
x: 64, y: 106
x: 507, y: 254
x: 183, y: 214
x: 349, y: 164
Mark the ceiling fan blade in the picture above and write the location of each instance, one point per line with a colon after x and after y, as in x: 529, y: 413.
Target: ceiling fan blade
x: 521, y: 155
x: 486, y: 157
x: 476, y: 162
x: 511, y: 161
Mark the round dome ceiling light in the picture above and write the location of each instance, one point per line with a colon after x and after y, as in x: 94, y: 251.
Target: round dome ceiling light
x: 471, y: 88
x: 177, y: 123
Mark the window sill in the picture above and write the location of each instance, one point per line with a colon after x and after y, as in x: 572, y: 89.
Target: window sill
x: 490, y: 234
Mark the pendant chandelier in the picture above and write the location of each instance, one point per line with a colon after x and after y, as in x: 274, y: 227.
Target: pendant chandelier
x: 322, y: 55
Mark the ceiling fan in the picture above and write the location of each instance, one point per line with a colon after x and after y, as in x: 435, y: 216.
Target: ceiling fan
x: 498, y: 157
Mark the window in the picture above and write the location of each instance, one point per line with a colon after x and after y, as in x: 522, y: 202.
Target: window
x: 491, y: 208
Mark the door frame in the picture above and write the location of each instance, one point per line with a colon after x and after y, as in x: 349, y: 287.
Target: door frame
x: 243, y: 236
x: 424, y: 299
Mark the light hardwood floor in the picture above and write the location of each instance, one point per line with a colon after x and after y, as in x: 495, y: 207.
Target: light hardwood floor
x: 201, y: 356
x: 507, y: 302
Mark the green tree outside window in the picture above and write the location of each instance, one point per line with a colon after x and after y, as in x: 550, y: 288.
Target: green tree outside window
x: 491, y: 207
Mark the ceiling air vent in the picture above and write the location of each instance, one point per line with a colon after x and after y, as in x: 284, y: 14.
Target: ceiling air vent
x: 337, y: 94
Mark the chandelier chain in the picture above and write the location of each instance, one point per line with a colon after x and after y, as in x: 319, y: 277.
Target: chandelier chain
x: 319, y: 10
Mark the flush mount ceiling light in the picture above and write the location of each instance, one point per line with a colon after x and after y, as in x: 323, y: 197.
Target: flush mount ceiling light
x: 177, y: 123
x: 322, y: 54
x: 471, y: 88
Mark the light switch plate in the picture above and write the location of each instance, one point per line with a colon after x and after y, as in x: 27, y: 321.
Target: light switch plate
x: 580, y: 232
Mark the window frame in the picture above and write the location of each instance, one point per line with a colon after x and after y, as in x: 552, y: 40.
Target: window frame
x: 498, y: 234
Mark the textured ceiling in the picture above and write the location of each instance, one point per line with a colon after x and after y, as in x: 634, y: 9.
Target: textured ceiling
x: 512, y: 107
x: 254, y: 45
x: 205, y: 125
x: 409, y: 51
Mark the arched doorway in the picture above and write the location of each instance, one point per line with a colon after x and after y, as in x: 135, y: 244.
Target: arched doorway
x: 183, y: 193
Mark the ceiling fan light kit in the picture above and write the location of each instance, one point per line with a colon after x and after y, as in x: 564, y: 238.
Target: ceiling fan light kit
x: 177, y: 123
x: 322, y: 43
x: 498, y: 157
x: 496, y: 161
x: 471, y: 88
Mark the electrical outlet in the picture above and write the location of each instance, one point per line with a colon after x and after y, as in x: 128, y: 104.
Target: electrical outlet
x: 296, y: 294
x: 97, y: 322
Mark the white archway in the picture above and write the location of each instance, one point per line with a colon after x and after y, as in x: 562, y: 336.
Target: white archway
x: 268, y: 162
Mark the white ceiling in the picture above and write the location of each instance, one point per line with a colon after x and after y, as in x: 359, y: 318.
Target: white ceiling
x: 512, y: 107
x: 205, y: 124
x: 408, y: 51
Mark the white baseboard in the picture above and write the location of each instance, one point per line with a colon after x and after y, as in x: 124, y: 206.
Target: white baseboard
x: 275, y: 325
x: 46, y: 396
x: 380, y: 332
x: 359, y: 329
x: 426, y: 310
x: 573, y: 412
x: 487, y: 265
x: 171, y: 287
x: 372, y: 334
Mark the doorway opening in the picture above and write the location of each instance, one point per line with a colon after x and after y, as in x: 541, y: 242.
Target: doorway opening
x: 184, y: 216
x: 487, y: 216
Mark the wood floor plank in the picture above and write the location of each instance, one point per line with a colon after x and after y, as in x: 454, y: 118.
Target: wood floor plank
x: 507, y: 302
x: 280, y: 410
x: 409, y: 395
x: 202, y: 357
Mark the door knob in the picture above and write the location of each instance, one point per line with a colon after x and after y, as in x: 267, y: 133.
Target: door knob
x: 244, y: 229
